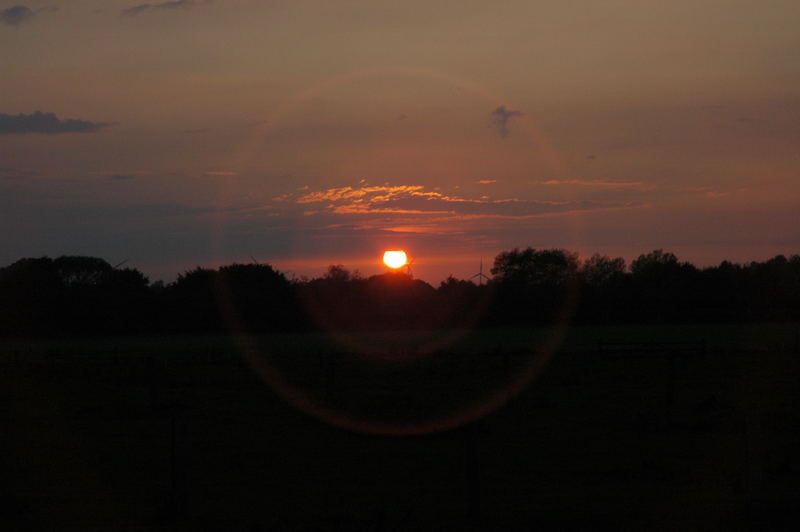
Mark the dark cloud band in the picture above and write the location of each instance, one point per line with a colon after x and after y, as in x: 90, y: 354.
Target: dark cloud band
x: 141, y: 8
x: 47, y: 123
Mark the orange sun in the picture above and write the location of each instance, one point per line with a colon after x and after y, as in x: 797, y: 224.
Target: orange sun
x: 395, y: 259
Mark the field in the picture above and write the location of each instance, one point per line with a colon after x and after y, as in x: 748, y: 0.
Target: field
x: 299, y: 432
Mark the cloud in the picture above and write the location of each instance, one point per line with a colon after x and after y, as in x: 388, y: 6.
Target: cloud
x: 121, y: 177
x: 598, y: 183
x: 694, y: 189
x: 221, y: 173
x: 14, y: 16
x: 47, y: 123
x: 373, y: 193
x: 500, y: 118
x: 487, y: 181
x: 711, y: 192
x: 415, y: 200
x: 163, y: 6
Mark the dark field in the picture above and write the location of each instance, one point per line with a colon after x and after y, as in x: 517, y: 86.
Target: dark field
x: 700, y: 431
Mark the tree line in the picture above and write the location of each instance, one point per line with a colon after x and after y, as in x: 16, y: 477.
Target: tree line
x: 86, y: 295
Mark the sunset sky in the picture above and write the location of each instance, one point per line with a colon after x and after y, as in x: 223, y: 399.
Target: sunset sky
x: 307, y: 133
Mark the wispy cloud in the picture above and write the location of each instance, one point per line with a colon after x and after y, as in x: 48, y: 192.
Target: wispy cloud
x: 47, y: 123
x: 711, y: 192
x: 694, y: 189
x: 163, y: 6
x: 487, y: 181
x: 599, y: 183
x: 222, y: 173
x: 500, y: 118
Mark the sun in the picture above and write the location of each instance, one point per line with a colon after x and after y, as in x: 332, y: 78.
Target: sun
x: 395, y: 259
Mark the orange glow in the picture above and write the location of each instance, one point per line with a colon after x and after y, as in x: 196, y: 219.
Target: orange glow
x: 395, y: 259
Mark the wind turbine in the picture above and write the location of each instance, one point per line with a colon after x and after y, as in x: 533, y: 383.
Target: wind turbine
x: 480, y: 275
x: 396, y: 259
x: 408, y: 267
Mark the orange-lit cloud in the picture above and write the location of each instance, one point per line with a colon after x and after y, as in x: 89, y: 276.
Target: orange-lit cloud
x: 336, y: 194
x: 438, y: 208
x: 410, y: 229
x: 365, y: 209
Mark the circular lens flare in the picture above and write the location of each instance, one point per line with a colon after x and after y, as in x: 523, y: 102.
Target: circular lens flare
x: 395, y: 259
x: 347, y: 414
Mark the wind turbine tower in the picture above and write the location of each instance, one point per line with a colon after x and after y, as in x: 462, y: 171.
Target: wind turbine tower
x: 480, y: 275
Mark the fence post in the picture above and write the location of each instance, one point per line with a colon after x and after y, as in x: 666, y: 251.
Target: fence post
x: 173, y: 470
x: 153, y: 391
x: 669, y: 391
x: 472, y: 476
x: 330, y: 375
x: 752, y: 441
x: 797, y: 341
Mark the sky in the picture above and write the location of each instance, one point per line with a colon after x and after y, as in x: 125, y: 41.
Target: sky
x: 305, y: 133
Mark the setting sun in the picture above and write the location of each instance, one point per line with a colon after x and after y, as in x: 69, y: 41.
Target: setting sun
x: 395, y: 259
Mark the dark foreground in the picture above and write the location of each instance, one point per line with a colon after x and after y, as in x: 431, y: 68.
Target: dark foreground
x: 181, y: 433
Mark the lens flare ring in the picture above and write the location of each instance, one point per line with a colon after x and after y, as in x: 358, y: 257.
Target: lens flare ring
x: 339, y: 415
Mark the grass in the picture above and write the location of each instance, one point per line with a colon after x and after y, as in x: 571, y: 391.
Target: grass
x: 174, y: 433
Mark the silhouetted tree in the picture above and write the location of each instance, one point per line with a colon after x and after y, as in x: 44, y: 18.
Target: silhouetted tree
x: 532, y: 267
x: 666, y: 289
x: 31, y: 292
x: 605, y: 290
x: 600, y: 270
x: 86, y: 295
x: 455, y: 287
x: 463, y: 304
x: 337, y: 273
x: 532, y: 284
x: 191, y: 302
x: 334, y: 301
x: 657, y: 262
x: 398, y: 301
x: 243, y: 297
x: 81, y: 272
x: 74, y: 294
x: 774, y: 287
x: 255, y: 297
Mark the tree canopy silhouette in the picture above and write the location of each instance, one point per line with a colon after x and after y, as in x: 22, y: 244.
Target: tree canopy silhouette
x: 86, y: 295
x: 532, y: 267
